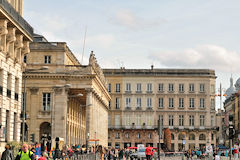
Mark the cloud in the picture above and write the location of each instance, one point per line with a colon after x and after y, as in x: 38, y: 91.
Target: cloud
x: 102, y: 40
x: 130, y: 20
x: 203, y: 56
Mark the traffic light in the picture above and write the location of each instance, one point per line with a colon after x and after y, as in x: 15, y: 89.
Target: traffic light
x: 231, y: 127
x: 32, y: 138
x: 231, y: 132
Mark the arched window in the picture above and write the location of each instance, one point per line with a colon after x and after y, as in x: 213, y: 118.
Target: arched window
x: 180, y: 136
x: 191, y: 137
x: 202, y: 137
x: 172, y: 136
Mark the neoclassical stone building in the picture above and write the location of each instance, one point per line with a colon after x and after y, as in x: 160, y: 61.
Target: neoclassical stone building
x: 184, y: 99
x: 15, y: 35
x: 69, y: 100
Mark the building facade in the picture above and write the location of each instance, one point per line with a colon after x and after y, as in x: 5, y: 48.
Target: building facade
x: 15, y: 35
x: 232, y: 107
x: 69, y: 100
x: 183, y: 100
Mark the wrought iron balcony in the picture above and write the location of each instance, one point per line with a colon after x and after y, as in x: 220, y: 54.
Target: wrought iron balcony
x: 16, y: 16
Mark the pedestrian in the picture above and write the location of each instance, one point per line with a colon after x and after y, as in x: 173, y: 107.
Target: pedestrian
x: 148, y: 152
x: 25, y: 154
x: 120, y: 154
x: 42, y: 157
x: 235, y: 151
x: 7, y: 154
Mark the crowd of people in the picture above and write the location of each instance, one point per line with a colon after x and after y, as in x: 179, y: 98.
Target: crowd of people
x: 35, y: 152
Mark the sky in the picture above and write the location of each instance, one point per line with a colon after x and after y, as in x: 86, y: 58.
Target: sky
x: 141, y: 33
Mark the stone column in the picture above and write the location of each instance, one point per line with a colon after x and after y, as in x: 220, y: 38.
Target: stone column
x: 89, y: 116
x: 59, y: 113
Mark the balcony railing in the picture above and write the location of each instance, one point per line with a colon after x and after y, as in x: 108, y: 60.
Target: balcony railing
x: 16, y: 16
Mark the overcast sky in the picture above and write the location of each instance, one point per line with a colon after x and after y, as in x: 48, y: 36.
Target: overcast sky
x: 139, y: 33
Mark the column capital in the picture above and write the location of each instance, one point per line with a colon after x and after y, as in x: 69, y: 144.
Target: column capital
x: 89, y: 90
x: 34, y: 90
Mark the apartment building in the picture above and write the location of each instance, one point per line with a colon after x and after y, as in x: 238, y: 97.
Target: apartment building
x: 183, y: 99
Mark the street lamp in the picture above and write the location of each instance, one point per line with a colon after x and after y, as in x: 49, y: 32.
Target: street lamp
x: 24, y: 100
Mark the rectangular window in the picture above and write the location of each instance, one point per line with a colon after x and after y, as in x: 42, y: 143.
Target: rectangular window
x: 15, y: 127
x: 109, y: 104
x: 212, y: 89
x: 117, y: 120
x: 128, y: 102
x: 138, y: 119
x: 149, y: 102
x: 212, y: 103
x: 46, y: 101
x: 212, y: 121
x: 181, y: 103
x: 128, y: 87
x: 47, y: 59
x: 170, y: 103
x: 109, y: 121
x: 127, y: 120
x: 171, y: 87
x: 139, y: 87
x: 191, y: 102
x: 109, y: 88
x: 202, y: 120
x: 149, y: 87
x: 139, y: 102
x: 181, y: 120
x: 160, y: 87
x: 202, y: 103
x: 117, y: 87
x: 117, y: 103
x: 191, y: 120
x: 161, y: 120
x: 9, y: 85
x: 160, y: 102
x: 181, y: 87
x: 202, y: 88
x: 170, y: 120
x: 25, y: 59
x: 191, y: 87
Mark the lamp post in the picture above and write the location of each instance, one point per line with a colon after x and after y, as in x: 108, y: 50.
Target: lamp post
x: 24, y: 100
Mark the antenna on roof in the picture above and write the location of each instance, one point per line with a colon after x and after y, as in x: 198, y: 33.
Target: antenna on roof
x: 84, y: 40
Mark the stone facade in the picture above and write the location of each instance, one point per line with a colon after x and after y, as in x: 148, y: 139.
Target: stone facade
x: 183, y: 98
x: 70, y: 99
x: 14, y: 44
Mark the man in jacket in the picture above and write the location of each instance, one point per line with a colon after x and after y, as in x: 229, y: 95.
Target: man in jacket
x: 148, y: 152
x: 25, y: 154
x: 7, y: 154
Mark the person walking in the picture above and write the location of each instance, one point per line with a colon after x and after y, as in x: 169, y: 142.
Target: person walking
x: 7, y: 154
x: 148, y: 152
x: 25, y: 154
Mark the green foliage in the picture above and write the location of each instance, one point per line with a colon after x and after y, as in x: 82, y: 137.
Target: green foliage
x: 15, y: 146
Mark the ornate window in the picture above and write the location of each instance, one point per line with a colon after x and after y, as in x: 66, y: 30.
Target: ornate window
x: 202, y: 137
x: 191, y: 137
